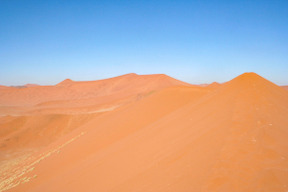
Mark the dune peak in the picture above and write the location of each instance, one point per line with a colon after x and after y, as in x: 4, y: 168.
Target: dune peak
x: 128, y: 75
x: 131, y: 74
x: 252, y: 84
x: 213, y: 85
x: 66, y: 82
x: 249, y: 78
x: 250, y: 75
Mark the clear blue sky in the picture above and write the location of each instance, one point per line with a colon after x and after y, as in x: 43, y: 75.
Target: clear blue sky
x: 197, y: 41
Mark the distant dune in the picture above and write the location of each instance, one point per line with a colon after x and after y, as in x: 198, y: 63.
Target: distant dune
x: 214, y: 85
x: 31, y: 85
x: 119, y: 87
x: 2, y: 87
x: 171, y: 136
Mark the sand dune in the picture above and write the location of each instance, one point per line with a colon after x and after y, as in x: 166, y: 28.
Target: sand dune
x: 70, y: 97
x: 33, y: 132
x: 120, y: 87
x: 32, y: 127
x: 231, y: 137
x: 31, y: 85
x: 214, y: 85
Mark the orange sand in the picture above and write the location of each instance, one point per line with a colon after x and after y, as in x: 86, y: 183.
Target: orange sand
x: 220, y: 138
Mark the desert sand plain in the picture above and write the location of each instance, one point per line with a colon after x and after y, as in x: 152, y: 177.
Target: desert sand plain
x: 140, y: 133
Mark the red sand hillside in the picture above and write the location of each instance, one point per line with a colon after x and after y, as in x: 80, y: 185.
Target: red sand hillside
x: 33, y: 127
x: 39, y: 130
x: 158, y: 104
x: 53, y: 119
x: 285, y: 87
x: 231, y: 139
x: 119, y: 87
x: 30, y: 133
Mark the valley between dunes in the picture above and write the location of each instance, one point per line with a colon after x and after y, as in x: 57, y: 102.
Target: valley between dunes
x: 140, y: 133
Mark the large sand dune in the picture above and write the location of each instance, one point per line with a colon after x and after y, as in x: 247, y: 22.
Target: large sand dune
x: 119, y: 87
x: 178, y: 137
x: 70, y: 97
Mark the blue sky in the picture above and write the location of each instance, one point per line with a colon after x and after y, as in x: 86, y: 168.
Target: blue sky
x: 199, y: 41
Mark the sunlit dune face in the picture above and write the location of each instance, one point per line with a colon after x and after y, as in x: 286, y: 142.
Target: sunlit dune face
x: 146, y: 133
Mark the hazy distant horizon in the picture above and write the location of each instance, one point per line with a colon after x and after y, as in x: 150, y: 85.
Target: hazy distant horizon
x: 195, y: 83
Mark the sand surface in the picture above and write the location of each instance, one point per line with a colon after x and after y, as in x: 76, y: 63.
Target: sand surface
x: 146, y: 133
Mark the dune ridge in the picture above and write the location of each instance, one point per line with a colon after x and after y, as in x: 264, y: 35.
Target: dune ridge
x: 120, y: 87
x: 232, y: 137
